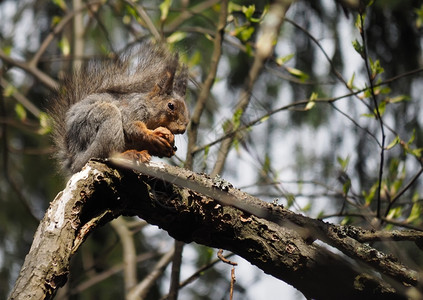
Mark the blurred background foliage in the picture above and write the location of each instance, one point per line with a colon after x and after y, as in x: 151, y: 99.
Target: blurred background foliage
x: 317, y: 149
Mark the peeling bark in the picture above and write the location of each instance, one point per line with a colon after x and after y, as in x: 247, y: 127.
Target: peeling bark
x: 282, y: 245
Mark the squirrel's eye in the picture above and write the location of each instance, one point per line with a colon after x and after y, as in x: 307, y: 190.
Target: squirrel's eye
x: 171, y: 106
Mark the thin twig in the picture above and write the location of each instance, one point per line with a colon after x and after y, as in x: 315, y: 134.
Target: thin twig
x: 233, y: 264
x: 233, y: 280
x: 141, y: 289
x: 332, y: 65
x: 378, y: 115
x: 197, y: 274
x: 129, y: 254
x: 224, y: 259
x: 403, y: 190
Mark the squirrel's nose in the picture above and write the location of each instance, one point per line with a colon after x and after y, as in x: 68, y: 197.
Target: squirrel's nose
x: 179, y: 130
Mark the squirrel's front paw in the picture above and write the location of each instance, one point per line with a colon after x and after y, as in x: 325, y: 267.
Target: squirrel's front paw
x: 166, y: 134
x: 164, y: 142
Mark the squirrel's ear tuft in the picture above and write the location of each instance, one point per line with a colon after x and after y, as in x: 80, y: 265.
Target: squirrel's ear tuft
x: 165, y: 84
x: 181, y: 82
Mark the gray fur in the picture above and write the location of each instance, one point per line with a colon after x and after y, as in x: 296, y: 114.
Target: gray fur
x: 96, y: 109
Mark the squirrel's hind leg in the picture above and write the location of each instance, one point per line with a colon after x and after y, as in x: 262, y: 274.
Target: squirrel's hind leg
x: 137, y: 156
x: 97, y: 131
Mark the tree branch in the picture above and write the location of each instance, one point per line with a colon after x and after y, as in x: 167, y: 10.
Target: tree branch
x: 34, y: 71
x: 99, y: 193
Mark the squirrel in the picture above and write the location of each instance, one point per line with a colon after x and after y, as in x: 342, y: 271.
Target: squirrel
x: 133, y: 104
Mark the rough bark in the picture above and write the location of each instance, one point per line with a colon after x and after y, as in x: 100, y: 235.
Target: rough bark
x: 282, y: 245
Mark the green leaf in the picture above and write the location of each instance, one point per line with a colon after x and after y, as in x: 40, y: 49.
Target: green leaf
x: 382, y: 90
x: 282, y: 60
x: 234, y: 7
x: 65, y: 46
x: 45, y: 123
x: 255, y: 20
x: 343, y: 162
x: 397, y: 184
x: 290, y: 199
x: 249, y: 11
x: 350, y: 82
x: 236, y: 143
x: 164, y: 9
x: 263, y: 14
x: 393, y: 143
x: 246, y: 33
x: 375, y: 68
x: 243, y: 32
x: 264, y: 119
x: 237, y: 118
x: 369, y: 196
x: 297, y: 73
x: 368, y: 115
x: 226, y: 125
x: 20, y: 112
x: 358, y: 47
x: 417, y: 152
x: 55, y: 20
x: 416, y: 211
x: 321, y: 214
x: 206, y: 152
x: 399, y: 98
x: 61, y: 4
x: 346, y: 221
x: 394, y: 213
x: 266, y: 165
x: 307, y: 207
x: 195, y: 59
x: 346, y: 187
x: 9, y: 90
x: 358, y: 21
x: 310, y: 105
x: 367, y: 93
x: 7, y: 49
x: 381, y: 107
x: 413, y: 136
x: 419, y: 19
x: 249, y: 50
x: 176, y: 37
x: 312, y: 102
x: 131, y: 12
